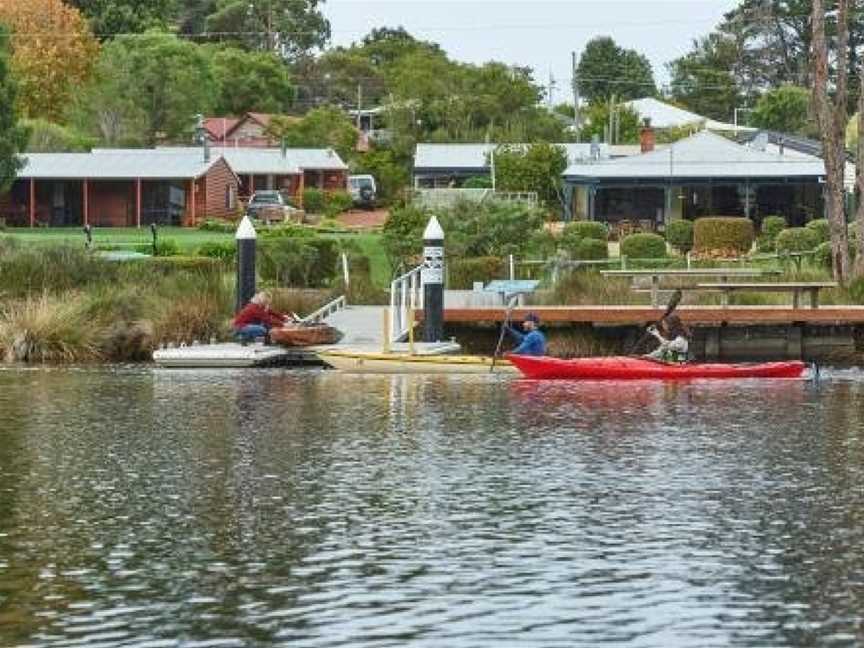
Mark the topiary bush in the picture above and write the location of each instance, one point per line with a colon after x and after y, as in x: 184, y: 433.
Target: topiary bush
x: 313, y: 200
x: 589, y: 249
x: 643, y: 246
x: 723, y: 236
x: 821, y: 228
x: 772, y: 226
x: 586, y: 230
x: 679, y: 234
x: 463, y: 272
x: 796, y: 239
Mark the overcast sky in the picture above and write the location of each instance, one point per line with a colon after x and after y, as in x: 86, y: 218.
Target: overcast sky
x: 537, y: 33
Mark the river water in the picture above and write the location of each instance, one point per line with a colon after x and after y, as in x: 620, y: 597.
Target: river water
x: 150, y: 508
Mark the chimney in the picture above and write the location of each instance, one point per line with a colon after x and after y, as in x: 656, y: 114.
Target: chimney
x: 782, y: 145
x: 201, y: 137
x: 646, y: 136
x: 595, y: 148
x: 284, y: 148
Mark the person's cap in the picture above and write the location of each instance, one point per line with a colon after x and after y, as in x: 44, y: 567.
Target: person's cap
x: 532, y: 317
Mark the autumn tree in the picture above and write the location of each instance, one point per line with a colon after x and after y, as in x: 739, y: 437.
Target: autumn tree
x: 13, y: 136
x: 53, y: 54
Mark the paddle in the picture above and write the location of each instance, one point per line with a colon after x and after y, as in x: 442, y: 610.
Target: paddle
x: 670, y: 307
x: 510, y: 305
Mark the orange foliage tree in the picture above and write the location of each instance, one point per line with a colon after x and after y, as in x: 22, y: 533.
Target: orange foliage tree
x: 53, y: 52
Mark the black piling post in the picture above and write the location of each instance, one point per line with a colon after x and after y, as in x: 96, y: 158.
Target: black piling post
x: 246, y: 242
x: 155, y: 236
x: 432, y: 278
x: 88, y: 237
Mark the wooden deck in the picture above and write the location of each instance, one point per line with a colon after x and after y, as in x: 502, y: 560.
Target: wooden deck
x: 640, y: 315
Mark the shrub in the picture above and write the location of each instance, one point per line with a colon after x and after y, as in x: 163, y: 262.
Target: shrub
x: 679, y: 234
x: 462, y: 273
x: 644, y: 246
x: 796, y: 239
x: 164, y: 248
x: 178, y: 264
x: 586, y: 229
x: 764, y: 244
x: 478, y: 182
x: 821, y: 228
x: 589, y: 249
x: 298, y: 261
x: 313, y: 200
x: 727, y: 236
x: 224, y: 250
x: 218, y: 225
x: 772, y: 226
x: 823, y: 254
x: 336, y: 202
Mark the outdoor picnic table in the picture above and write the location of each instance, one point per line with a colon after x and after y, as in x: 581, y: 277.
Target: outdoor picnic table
x: 796, y: 288
x: 656, y: 275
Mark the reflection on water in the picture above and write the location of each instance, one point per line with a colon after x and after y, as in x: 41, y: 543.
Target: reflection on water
x: 141, y: 507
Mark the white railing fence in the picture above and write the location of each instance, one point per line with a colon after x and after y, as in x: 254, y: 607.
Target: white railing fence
x: 406, y: 296
x: 443, y: 198
x: 325, y: 311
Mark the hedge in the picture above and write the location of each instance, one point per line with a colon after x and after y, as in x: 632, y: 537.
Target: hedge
x: 589, y: 249
x: 822, y: 229
x: 796, y: 239
x: 644, y: 246
x: 313, y: 200
x: 462, y: 273
x: 586, y: 230
x: 726, y: 235
x: 679, y: 234
x: 772, y: 226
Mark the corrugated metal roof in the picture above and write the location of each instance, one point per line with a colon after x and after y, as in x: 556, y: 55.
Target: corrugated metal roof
x: 118, y: 164
x: 475, y: 156
x: 703, y: 155
x: 264, y: 161
x: 664, y: 115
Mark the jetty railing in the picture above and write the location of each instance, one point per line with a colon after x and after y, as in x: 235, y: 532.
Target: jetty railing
x: 406, y: 296
x: 325, y: 311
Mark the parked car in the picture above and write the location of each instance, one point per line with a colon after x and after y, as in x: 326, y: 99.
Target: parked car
x: 363, y: 190
x: 268, y: 206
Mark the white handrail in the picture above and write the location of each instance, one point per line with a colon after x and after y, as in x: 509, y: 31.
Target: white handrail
x: 406, y: 296
x: 326, y: 310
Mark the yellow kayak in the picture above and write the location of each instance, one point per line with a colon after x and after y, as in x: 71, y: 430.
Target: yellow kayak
x: 372, y: 362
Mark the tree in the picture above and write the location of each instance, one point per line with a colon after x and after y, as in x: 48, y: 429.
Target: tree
x: 704, y: 80
x: 49, y: 137
x: 596, y: 121
x: 321, y: 127
x: 53, y: 53
x: 390, y: 176
x: 605, y: 69
x: 533, y: 168
x: 148, y: 87
x: 291, y: 28
x: 249, y: 81
x: 112, y: 17
x: 783, y: 109
x: 13, y: 136
x: 831, y: 115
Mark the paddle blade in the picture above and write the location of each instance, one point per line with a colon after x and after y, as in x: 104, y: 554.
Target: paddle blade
x: 673, y: 303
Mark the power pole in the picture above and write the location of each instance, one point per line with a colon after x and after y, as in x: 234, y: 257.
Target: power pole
x: 549, y: 98
x: 576, y: 120
x: 359, y: 103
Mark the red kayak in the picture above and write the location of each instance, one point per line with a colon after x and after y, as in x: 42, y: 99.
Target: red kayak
x: 629, y: 368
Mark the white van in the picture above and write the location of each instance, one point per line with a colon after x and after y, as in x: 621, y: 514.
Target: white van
x: 363, y: 190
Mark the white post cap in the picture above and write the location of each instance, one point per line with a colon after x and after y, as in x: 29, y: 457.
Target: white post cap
x: 246, y: 230
x: 433, y: 231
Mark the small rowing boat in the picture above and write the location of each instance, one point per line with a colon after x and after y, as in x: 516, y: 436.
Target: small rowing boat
x: 629, y: 368
x: 398, y: 363
x: 300, y: 335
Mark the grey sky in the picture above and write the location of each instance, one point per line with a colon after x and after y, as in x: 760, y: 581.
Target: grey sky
x: 537, y: 33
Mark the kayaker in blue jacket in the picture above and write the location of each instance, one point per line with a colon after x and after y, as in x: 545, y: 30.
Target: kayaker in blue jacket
x: 532, y: 342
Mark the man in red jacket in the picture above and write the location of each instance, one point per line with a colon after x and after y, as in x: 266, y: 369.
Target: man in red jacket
x: 257, y: 318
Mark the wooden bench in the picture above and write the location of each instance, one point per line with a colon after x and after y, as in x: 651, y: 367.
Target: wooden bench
x: 724, y: 274
x: 796, y: 288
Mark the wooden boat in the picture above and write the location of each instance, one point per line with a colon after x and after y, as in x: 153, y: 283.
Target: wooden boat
x: 397, y: 363
x: 630, y: 368
x: 305, y: 335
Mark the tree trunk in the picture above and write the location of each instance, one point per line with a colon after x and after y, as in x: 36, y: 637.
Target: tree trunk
x: 859, y: 179
x: 831, y: 117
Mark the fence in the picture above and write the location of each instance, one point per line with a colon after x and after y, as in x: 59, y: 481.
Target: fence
x: 406, y: 296
x: 445, y: 198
